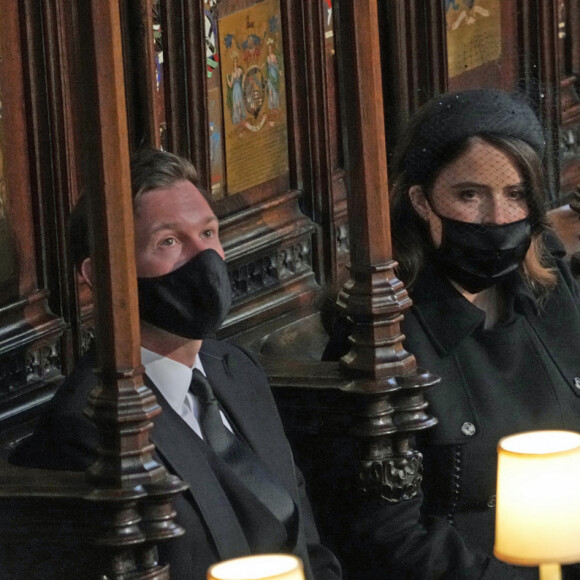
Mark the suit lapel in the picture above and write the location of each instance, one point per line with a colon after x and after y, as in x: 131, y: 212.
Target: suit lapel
x: 256, y: 421
x: 182, y: 450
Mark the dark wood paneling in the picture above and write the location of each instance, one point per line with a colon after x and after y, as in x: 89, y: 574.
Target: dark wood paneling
x: 569, y: 53
x: 30, y: 349
x: 413, y: 56
x: 538, y: 40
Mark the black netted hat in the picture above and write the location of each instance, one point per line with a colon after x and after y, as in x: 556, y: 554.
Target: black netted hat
x: 453, y: 117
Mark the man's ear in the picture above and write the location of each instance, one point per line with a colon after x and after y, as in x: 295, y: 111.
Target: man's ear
x: 419, y: 202
x: 86, y: 272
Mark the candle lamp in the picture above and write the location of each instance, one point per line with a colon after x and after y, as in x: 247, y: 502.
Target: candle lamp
x: 258, y: 567
x: 538, y: 501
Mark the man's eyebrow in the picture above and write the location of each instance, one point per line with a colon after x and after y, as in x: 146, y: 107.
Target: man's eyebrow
x: 210, y: 219
x: 176, y: 225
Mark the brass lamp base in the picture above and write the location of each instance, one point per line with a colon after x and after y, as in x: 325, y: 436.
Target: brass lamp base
x: 550, y: 572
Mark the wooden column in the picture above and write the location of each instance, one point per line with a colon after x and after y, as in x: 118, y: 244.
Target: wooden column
x: 392, y: 405
x: 117, y: 324
x: 108, y: 522
x: 134, y: 489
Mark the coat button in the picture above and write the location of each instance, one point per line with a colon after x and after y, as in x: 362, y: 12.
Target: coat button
x: 491, y: 501
x: 468, y: 429
x: 577, y: 382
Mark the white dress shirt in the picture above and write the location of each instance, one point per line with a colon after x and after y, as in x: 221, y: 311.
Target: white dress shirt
x: 173, y: 378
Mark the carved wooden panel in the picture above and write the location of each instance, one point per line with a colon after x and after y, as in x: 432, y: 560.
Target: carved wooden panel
x: 287, y: 49
x: 31, y: 349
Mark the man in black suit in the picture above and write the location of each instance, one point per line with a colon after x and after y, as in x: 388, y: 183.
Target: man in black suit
x: 184, y: 295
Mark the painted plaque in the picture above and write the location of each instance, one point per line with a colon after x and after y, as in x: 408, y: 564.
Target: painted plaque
x: 253, y: 96
x: 473, y: 34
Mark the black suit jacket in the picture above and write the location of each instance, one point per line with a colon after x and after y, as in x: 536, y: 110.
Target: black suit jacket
x: 221, y: 518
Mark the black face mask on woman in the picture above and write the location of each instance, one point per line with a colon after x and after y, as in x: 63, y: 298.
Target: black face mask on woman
x: 477, y: 256
x: 191, y: 301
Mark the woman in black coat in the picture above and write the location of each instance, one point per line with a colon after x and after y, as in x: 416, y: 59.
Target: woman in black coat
x: 495, y: 314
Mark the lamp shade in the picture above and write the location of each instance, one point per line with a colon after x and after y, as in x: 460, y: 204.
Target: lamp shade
x: 538, y: 498
x: 258, y: 567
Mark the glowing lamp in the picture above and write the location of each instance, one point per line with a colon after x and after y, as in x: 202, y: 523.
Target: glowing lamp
x: 538, y: 500
x: 258, y: 567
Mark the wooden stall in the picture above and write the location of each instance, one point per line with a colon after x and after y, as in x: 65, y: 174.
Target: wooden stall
x: 298, y: 175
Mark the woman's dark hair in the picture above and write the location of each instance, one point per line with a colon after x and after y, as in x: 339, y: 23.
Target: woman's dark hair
x: 410, y: 234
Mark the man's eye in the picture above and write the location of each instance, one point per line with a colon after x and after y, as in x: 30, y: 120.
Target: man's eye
x: 168, y: 242
x: 208, y: 234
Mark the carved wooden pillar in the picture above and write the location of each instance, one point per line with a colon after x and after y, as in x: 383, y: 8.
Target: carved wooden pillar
x: 393, y: 405
x: 135, y: 489
x: 108, y: 521
x: 352, y: 423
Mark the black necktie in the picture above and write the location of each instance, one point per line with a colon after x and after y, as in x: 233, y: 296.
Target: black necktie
x: 240, y: 458
x: 216, y: 434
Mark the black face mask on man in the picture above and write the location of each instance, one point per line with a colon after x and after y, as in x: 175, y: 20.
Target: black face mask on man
x: 477, y: 256
x: 191, y: 301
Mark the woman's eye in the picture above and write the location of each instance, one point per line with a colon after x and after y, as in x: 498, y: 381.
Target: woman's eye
x: 516, y: 194
x: 468, y: 194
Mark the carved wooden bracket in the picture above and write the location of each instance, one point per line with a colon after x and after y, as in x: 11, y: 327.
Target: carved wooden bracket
x: 389, y: 388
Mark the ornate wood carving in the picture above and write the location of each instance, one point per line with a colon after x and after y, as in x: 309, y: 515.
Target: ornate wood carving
x: 270, y: 254
x: 393, y: 480
x: 271, y: 270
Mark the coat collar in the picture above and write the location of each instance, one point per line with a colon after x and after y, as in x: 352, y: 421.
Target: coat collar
x: 444, y: 313
x: 447, y: 316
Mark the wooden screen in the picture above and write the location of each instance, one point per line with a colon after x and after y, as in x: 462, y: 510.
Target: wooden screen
x: 275, y: 173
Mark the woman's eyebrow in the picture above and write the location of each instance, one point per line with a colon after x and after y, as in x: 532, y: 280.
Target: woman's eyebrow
x: 462, y: 184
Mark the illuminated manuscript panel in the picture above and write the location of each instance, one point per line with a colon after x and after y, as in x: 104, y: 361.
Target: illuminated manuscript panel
x: 253, y: 95
x: 473, y: 34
